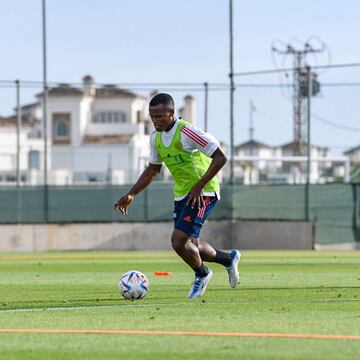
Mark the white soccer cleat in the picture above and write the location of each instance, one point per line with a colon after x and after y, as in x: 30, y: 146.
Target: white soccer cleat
x: 199, y: 285
x: 233, y: 270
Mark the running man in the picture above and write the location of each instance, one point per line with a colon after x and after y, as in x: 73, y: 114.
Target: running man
x: 194, y: 158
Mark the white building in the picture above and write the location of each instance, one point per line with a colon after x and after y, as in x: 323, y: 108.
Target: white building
x: 354, y: 156
x: 256, y: 163
x: 95, y: 134
x: 30, y: 149
x: 188, y: 111
x: 252, y: 172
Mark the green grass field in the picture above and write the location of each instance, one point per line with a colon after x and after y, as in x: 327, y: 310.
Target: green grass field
x: 304, y: 293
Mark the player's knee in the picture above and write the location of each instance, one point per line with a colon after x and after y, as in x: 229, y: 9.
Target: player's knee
x: 178, y: 241
x: 176, y: 244
x: 195, y: 241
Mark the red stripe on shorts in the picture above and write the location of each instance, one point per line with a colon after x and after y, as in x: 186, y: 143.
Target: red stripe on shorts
x: 201, y: 212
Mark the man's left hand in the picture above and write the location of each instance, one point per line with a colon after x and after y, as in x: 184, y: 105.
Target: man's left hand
x: 195, y: 197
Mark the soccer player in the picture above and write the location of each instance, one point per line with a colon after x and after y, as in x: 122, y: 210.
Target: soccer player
x: 194, y: 158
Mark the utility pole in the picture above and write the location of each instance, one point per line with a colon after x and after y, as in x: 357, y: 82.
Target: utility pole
x: 206, y: 91
x: 299, y: 93
x: 252, y: 109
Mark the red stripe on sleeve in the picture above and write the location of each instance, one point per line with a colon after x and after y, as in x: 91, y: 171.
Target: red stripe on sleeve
x: 192, y: 135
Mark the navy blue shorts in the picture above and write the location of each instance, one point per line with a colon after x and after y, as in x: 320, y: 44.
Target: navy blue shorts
x: 189, y: 220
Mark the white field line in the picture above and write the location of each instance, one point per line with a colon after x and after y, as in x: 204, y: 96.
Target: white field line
x: 137, y: 304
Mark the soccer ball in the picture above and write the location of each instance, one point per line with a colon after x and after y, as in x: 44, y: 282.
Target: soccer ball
x: 133, y: 285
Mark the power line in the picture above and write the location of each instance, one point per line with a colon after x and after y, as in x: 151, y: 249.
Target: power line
x: 333, y: 124
x: 188, y: 84
x: 274, y: 71
x: 338, y: 147
x: 199, y: 86
x: 115, y: 83
x: 340, y: 84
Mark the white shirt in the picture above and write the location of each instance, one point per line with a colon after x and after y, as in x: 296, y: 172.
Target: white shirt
x: 192, y: 139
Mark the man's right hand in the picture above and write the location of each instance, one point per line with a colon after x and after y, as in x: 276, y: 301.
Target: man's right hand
x: 123, y: 204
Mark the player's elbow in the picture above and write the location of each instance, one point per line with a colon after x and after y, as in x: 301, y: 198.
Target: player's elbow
x: 220, y: 157
x: 153, y: 170
x: 223, y: 159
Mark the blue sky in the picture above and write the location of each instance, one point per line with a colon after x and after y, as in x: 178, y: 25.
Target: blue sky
x: 140, y: 41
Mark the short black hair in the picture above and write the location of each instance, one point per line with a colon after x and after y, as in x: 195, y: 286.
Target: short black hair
x: 163, y: 99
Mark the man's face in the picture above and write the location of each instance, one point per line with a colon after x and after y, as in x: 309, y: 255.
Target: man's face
x: 161, y: 117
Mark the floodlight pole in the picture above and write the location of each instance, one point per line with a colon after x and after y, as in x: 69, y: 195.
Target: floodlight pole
x: 18, y: 127
x: 232, y: 88
x: 45, y: 89
x: 308, y: 168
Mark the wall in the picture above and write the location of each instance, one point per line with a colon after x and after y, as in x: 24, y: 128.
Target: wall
x: 152, y: 236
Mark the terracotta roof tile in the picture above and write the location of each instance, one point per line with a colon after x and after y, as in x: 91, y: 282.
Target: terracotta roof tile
x: 254, y: 143
x: 11, y: 121
x: 349, y: 151
x: 110, y: 91
x: 65, y: 91
x: 107, y: 139
x: 107, y: 91
x: 290, y: 145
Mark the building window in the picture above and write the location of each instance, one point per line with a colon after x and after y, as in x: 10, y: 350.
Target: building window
x: 109, y: 117
x: 139, y: 117
x: 34, y: 160
x: 148, y: 129
x: 61, y: 128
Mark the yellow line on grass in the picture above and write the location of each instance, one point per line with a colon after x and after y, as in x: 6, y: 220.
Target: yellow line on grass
x: 196, y: 333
